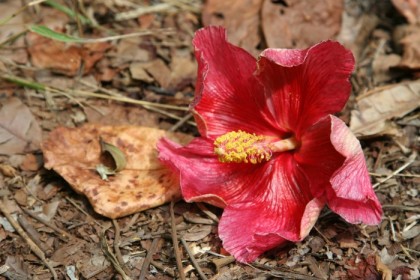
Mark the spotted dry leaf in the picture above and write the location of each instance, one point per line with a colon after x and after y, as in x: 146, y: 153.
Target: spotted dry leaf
x: 144, y: 183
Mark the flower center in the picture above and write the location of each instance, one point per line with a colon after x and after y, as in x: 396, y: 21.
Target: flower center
x: 240, y: 146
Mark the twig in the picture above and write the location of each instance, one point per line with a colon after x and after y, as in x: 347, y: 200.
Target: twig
x: 142, y: 10
x: 206, y: 211
x: 63, y: 235
x: 175, y: 243
x: 167, y: 270
x: 396, y: 175
x: 412, y: 251
x: 34, y: 235
x: 394, y: 236
x: 111, y: 257
x: 83, y: 211
x: 117, y: 242
x: 223, y: 261
x: 131, y: 222
x: 180, y: 122
x: 149, y: 256
x: 193, y: 260
x: 401, y: 207
x: 42, y: 87
x: 121, y: 96
x: 20, y: 10
x: 323, y: 236
x: 34, y: 248
x: 283, y: 274
x: 410, y: 160
x: 404, y: 249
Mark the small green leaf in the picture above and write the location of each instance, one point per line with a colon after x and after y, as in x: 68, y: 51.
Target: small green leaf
x: 116, y: 154
x: 46, y: 32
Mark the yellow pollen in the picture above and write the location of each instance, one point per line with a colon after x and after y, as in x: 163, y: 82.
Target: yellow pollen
x: 240, y: 146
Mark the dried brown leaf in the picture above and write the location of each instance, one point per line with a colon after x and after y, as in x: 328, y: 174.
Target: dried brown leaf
x: 19, y: 131
x: 144, y: 183
x: 374, y: 110
x: 158, y: 70
x: 197, y: 233
x: 290, y: 24
x: 183, y: 70
x: 411, y: 50
x: 18, y: 269
x: 410, y: 9
x: 63, y: 58
x: 381, y: 67
x: 411, y: 233
x: 241, y: 19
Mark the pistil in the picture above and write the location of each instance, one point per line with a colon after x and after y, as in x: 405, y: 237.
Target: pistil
x: 243, y: 147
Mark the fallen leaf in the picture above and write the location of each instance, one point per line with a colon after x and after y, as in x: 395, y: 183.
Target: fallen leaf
x: 17, y: 268
x: 156, y: 69
x: 315, y: 267
x: 411, y: 233
x: 316, y: 244
x: 130, y: 50
x: 385, y: 257
x: 19, y: 131
x: 241, y: 19
x: 183, y: 70
x: 382, y: 65
x: 410, y: 9
x: 356, y: 28
x: 21, y: 197
x: 144, y: 183
x: 138, y: 72
x: 64, y: 58
x: 197, y: 233
x: 365, y: 268
x: 291, y: 24
x: 196, y: 219
x: 375, y: 109
x: 30, y: 163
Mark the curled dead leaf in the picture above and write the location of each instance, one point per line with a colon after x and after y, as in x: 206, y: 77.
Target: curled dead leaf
x: 143, y: 183
x: 378, y: 107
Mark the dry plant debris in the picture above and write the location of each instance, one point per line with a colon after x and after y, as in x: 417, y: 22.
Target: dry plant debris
x: 75, y: 154
x: 375, y: 109
x: 19, y: 131
x: 383, y: 35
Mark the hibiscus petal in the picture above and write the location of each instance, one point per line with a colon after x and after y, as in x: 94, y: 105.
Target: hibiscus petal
x: 318, y: 157
x: 250, y: 228
x: 228, y: 97
x: 204, y: 178
x: 352, y: 195
x: 331, y: 156
x: 303, y: 86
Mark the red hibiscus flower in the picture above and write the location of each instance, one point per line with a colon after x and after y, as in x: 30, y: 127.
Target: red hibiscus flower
x: 270, y: 152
